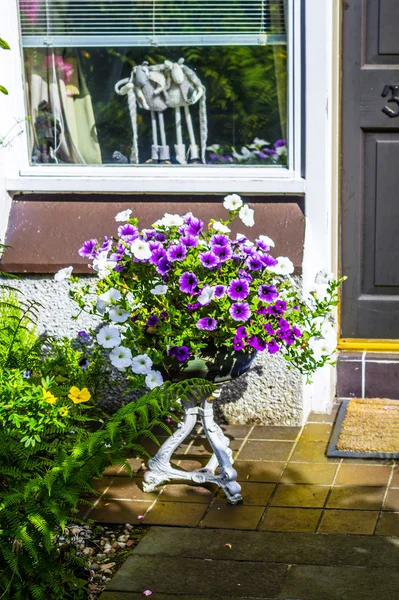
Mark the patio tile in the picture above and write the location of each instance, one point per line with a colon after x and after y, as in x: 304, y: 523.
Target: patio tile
x: 255, y: 494
x: 392, y: 500
x: 186, y: 493
x: 125, y: 488
x: 366, y: 498
x: 199, y: 447
x: 322, y: 417
x: 271, y: 432
x: 185, y: 514
x: 311, y: 452
x: 237, y: 432
x: 258, y: 471
x: 363, y: 475
x: 311, y: 496
x: 389, y: 524
x: 119, y: 511
x: 262, y: 450
x: 309, y: 473
x: 226, y: 516
x: 395, y: 478
x: 189, y: 464
x: 291, y: 519
x: 348, y: 521
x: 316, y: 432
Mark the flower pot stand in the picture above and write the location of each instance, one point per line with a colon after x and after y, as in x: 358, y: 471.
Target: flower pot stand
x: 160, y: 471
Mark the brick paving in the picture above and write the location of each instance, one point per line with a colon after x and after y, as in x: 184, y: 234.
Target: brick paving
x: 288, y: 485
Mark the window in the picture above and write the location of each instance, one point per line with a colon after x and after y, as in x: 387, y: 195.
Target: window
x: 149, y: 82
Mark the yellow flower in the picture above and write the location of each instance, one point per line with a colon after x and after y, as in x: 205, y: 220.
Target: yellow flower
x: 77, y: 396
x: 64, y: 412
x: 49, y: 397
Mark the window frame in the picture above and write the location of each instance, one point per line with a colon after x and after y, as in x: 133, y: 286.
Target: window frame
x: 25, y: 177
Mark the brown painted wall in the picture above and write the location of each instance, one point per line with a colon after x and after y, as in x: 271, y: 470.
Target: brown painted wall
x: 46, y: 230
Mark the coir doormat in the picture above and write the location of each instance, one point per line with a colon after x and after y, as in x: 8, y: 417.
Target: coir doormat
x: 366, y: 429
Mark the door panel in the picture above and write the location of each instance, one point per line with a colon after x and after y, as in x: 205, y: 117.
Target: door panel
x: 370, y: 169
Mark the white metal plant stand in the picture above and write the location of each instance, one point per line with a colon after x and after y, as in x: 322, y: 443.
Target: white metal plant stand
x: 160, y: 470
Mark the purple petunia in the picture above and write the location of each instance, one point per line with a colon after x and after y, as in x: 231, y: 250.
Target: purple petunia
x: 181, y: 353
x: 268, y: 328
x: 188, y: 282
x: 128, y: 232
x: 84, y: 337
x: 219, y: 240
x: 157, y: 254
x: 254, y: 263
x: 206, y: 323
x: 283, y: 324
x: 176, y: 252
x: 238, y: 289
x: 267, y: 260
x: 262, y: 310
x: 160, y: 237
x: 152, y: 321
x: 84, y: 363
x: 277, y: 309
x: 194, y: 306
x: 238, y: 343
x: 279, y: 143
x: 163, y: 314
x: 106, y: 245
x: 190, y: 241
x: 220, y: 291
x: 240, y: 311
x: 242, y: 274
x: 267, y: 293
x: 241, y: 332
x: 119, y: 268
x: 273, y: 347
x: 192, y: 226
x: 296, y: 332
x: 208, y: 260
x: 88, y: 250
x: 163, y: 266
x: 257, y: 343
x: 223, y: 252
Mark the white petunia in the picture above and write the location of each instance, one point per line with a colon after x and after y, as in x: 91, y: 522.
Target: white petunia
x: 141, y: 249
x: 232, y: 202
x: 266, y: 240
x: 105, y: 299
x: 259, y: 142
x: 102, y: 265
x: 159, y: 290
x: 322, y: 346
x: 169, y: 221
x: 123, y: 216
x: 320, y: 292
x: 63, y: 274
x: 130, y: 299
x: 213, y: 148
x: 283, y: 267
x: 109, y: 337
x: 246, y: 215
x: 218, y: 226
x: 153, y: 379
x: 328, y: 329
x: 118, y: 314
x: 206, y: 295
x: 323, y: 277
x: 120, y: 357
x: 141, y: 364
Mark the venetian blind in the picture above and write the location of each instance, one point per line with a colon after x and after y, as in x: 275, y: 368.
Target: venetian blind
x: 75, y: 23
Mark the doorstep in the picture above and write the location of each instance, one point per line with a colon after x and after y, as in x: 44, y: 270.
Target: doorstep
x: 368, y: 375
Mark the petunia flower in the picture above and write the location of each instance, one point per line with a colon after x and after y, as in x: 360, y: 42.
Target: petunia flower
x: 206, y: 323
x: 220, y: 291
x: 238, y: 343
x: 121, y: 357
x: 265, y: 240
x: 219, y: 240
x: 209, y: 260
x: 267, y: 293
x: 141, y: 249
x: 78, y: 396
x: 238, y: 289
x: 283, y: 267
x: 232, y: 202
x: 206, y: 295
x: 152, y: 321
x: 223, y: 253
x: 118, y: 314
x: 273, y: 347
x: 159, y: 290
x: 63, y: 274
x: 176, y: 252
x: 246, y: 215
x: 254, y: 263
x: 181, y: 353
x: 188, y: 282
x: 218, y: 226
x: 88, y: 250
x: 141, y: 364
x: 128, y: 232
x: 124, y: 215
x: 240, y: 311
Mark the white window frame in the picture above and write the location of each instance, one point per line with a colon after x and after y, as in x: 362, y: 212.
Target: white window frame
x: 198, y: 179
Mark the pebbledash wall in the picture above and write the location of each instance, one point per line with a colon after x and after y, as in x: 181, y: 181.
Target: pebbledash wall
x: 46, y: 218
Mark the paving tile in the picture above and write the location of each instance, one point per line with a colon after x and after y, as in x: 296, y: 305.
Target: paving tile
x: 395, y: 478
x: 227, y: 516
x: 349, y: 379
x: 316, y: 473
x: 198, y: 577
x: 392, y: 500
x: 126, y: 488
x: 382, y: 380
x: 311, y: 452
x: 262, y: 450
x: 237, y: 432
x: 119, y: 511
x: 324, y: 417
x: 258, y: 471
x: 389, y: 524
x: 339, y: 583
x: 253, y: 494
x: 302, y: 496
x: 363, y: 475
x: 365, y: 498
x: 185, y: 514
x: 175, y: 492
x: 291, y: 519
x: 348, y: 521
x: 199, y: 447
x: 316, y: 432
x: 272, y: 432
x: 190, y: 464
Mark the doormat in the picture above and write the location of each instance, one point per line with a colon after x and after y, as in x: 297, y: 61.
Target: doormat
x: 366, y: 429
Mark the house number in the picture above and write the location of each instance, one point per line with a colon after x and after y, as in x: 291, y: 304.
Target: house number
x: 394, y: 98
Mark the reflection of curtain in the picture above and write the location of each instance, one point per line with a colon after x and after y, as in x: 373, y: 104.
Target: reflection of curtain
x: 60, y: 109
x: 280, y: 62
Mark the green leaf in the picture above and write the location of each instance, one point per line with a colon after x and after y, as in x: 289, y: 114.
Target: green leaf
x: 4, y: 45
x: 3, y: 90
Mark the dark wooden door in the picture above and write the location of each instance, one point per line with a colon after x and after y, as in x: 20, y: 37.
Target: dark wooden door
x: 370, y: 169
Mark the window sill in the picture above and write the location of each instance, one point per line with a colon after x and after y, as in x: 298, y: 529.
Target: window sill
x: 165, y: 180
